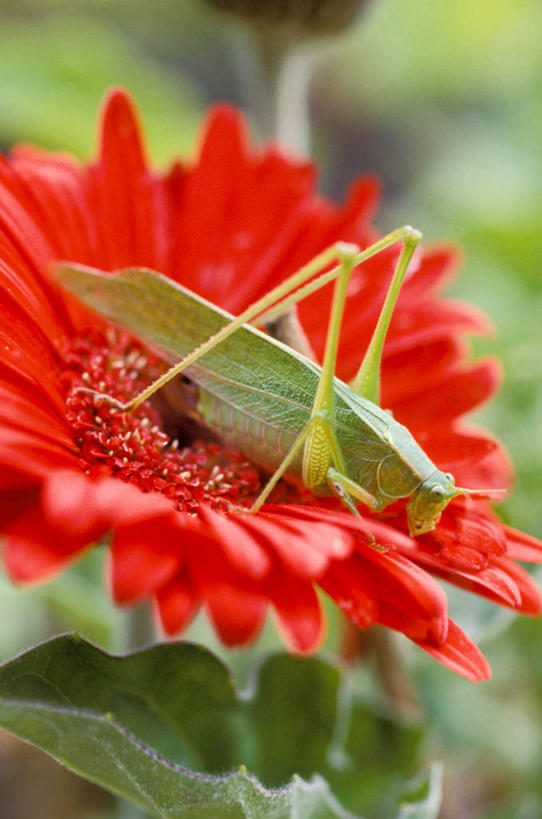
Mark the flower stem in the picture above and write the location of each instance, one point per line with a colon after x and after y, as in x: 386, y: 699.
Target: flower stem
x: 393, y: 675
x: 275, y: 74
x: 138, y: 628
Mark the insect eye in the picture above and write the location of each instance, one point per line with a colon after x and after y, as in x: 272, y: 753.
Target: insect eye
x: 437, y: 491
x: 449, y: 476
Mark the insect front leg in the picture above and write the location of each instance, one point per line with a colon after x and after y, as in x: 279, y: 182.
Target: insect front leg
x: 346, y: 489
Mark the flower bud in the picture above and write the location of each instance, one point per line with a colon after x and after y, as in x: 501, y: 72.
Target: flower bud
x: 309, y: 16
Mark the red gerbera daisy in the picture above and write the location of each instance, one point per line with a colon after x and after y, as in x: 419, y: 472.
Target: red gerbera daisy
x: 229, y: 227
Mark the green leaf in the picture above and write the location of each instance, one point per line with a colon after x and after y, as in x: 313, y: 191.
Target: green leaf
x: 54, y: 75
x: 142, y: 725
x: 294, y: 713
x: 378, y: 750
x: 125, y: 723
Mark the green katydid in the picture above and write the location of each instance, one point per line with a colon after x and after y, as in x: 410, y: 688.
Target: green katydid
x: 283, y: 411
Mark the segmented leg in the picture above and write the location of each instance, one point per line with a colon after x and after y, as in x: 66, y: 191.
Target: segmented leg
x: 258, y: 308
x: 274, y: 303
x: 347, y: 487
x: 367, y: 380
x: 321, y: 449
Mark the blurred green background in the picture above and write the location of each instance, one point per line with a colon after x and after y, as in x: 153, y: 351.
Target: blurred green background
x: 444, y: 101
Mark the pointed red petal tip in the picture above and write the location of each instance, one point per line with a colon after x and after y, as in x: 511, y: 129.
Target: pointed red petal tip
x: 176, y: 605
x: 225, y: 131
x: 298, y: 612
x: 363, y: 199
x: 119, y: 125
x: 520, y: 546
x: 460, y: 654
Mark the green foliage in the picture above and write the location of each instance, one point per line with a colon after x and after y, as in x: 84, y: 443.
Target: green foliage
x: 142, y: 726
x: 54, y: 75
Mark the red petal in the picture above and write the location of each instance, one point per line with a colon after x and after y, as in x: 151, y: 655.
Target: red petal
x: 55, y: 189
x: 298, y: 611
x: 456, y: 394
x: 240, y: 213
x: 353, y: 590
x: 459, y: 654
x: 236, y: 604
x: 236, y: 611
x: 520, y: 546
x: 27, y: 355
x: 437, y: 267
x: 467, y: 536
x: 35, y: 551
x: 25, y: 408
x: 20, y: 284
x: 495, y: 582
x: 415, y: 628
x: 127, y: 198
x: 29, y: 455
x: 76, y: 504
x: 362, y: 201
x: 425, y: 364
x: 177, y: 604
x: 234, y: 536
x: 531, y: 596
x: 409, y: 590
x: 20, y: 220
x: 304, y: 550
x: 410, y: 328
x: 475, y: 458
x: 144, y: 557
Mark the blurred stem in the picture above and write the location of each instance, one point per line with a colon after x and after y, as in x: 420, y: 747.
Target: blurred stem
x: 138, y: 630
x: 275, y: 74
x: 381, y: 644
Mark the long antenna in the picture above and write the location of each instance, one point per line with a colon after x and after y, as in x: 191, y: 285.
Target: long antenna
x: 488, y: 493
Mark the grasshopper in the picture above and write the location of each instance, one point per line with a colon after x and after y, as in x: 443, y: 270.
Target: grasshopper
x: 280, y: 409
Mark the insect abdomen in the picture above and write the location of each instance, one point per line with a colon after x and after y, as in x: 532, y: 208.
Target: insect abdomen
x: 260, y: 440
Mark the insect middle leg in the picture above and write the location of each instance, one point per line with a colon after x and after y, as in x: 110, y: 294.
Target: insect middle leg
x: 318, y: 439
x: 323, y: 462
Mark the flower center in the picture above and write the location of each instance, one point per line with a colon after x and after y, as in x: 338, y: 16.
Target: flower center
x: 134, y: 446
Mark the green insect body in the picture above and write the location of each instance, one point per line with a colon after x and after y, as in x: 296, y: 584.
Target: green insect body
x: 258, y: 395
